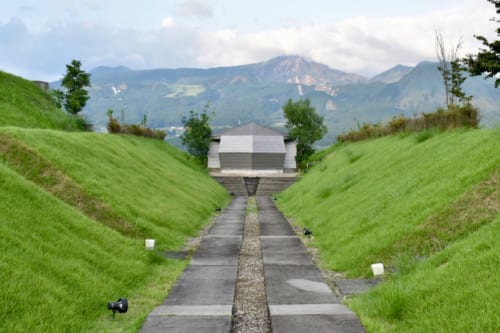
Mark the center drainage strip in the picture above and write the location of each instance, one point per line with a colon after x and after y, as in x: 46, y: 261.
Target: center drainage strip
x: 250, y: 309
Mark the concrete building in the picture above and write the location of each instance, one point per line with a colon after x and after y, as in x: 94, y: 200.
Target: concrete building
x: 252, y: 150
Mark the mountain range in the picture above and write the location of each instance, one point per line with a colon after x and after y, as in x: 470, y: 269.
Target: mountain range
x: 256, y: 93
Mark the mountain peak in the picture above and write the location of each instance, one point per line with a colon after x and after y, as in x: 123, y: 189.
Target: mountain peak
x: 393, y: 74
x: 299, y: 70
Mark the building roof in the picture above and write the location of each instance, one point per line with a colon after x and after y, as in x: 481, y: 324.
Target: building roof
x: 252, y: 144
x: 251, y: 130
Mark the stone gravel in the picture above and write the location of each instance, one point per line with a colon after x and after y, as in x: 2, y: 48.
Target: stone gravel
x: 251, y: 313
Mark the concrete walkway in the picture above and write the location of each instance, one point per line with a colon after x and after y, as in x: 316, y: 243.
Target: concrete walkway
x: 298, y: 298
x: 202, y: 299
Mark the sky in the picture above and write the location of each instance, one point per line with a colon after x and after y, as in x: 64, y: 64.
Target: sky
x: 39, y: 37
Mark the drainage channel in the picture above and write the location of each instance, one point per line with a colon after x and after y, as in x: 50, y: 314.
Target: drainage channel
x: 250, y: 310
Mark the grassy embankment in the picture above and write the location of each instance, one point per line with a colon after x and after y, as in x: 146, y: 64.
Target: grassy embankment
x: 24, y: 104
x: 75, y: 210
x: 427, y: 206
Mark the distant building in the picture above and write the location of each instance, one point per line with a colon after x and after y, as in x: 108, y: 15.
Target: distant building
x: 42, y: 84
x: 252, y: 150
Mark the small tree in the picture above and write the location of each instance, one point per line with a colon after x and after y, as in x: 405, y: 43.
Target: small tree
x: 451, y: 70
x: 487, y: 61
x: 75, y: 81
x: 197, y: 134
x: 305, y: 125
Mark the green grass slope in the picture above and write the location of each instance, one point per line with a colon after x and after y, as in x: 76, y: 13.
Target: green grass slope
x: 24, y: 104
x: 428, y: 207
x: 76, y: 208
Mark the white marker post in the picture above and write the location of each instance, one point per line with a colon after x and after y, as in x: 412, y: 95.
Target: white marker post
x: 150, y: 244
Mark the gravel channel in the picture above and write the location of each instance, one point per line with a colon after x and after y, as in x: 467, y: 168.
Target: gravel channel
x: 251, y: 314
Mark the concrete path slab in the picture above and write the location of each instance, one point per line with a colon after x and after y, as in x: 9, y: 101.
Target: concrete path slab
x: 218, y: 251
x: 193, y: 310
x: 204, y: 285
x: 191, y: 324
x: 225, y: 229
x: 284, y: 251
x: 317, y: 324
x: 273, y: 229
x: 294, y: 284
x: 310, y: 309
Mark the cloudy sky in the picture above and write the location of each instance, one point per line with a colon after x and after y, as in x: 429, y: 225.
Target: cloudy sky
x: 38, y: 37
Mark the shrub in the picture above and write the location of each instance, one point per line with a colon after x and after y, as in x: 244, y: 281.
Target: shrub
x: 454, y: 117
x: 115, y: 127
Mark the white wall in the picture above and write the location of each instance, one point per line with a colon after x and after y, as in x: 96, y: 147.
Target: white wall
x: 213, y: 155
x: 291, y: 152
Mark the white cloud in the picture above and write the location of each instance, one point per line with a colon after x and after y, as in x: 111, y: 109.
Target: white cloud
x: 167, y: 22
x: 359, y: 45
x: 196, y: 8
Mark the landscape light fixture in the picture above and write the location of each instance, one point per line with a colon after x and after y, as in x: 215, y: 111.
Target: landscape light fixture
x: 120, y: 306
x: 150, y: 244
x: 377, y: 269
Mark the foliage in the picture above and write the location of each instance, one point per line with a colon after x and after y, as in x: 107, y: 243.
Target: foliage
x: 115, y: 127
x: 452, y: 72
x: 75, y: 82
x: 487, y: 61
x: 457, y: 78
x: 455, y: 117
x: 61, y: 264
x: 305, y: 125
x: 429, y: 211
x: 197, y: 134
x: 24, y: 104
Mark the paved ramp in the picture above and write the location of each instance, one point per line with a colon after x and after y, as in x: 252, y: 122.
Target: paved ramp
x: 298, y: 298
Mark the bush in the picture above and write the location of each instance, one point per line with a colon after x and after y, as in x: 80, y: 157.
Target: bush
x: 115, y: 127
x: 455, y: 117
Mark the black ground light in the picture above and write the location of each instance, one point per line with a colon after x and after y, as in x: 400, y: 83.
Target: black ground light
x: 120, y: 306
x: 307, y: 232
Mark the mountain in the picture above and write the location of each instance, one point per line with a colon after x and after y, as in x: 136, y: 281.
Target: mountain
x: 295, y: 69
x: 256, y: 93
x: 393, y: 74
x: 104, y: 70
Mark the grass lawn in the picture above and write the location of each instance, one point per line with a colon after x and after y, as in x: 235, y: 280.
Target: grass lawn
x: 24, y: 104
x: 428, y: 209
x: 76, y: 208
